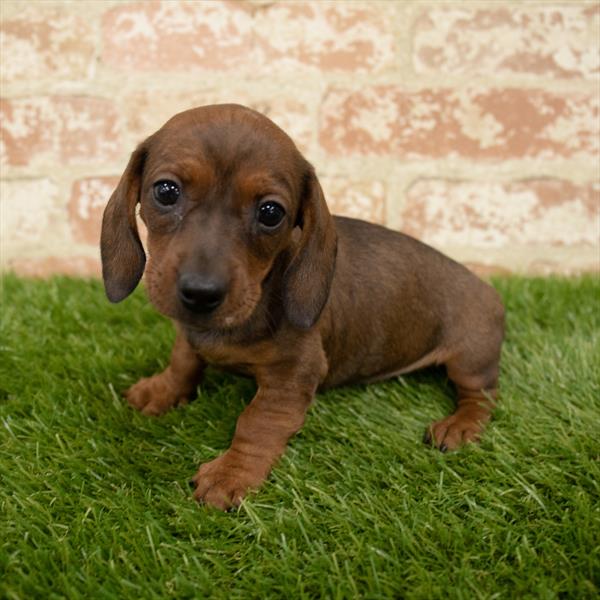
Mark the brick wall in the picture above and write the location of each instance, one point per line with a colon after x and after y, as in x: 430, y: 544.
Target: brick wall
x: 471, y: 125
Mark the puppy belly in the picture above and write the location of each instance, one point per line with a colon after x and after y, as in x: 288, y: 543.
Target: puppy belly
x: 436, y: 357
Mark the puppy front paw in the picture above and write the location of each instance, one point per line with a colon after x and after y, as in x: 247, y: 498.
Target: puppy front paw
x: 156, y: 395
x: 226, y: 480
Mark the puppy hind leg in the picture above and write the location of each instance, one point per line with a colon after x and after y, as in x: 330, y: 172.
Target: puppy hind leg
x: 477, y: 389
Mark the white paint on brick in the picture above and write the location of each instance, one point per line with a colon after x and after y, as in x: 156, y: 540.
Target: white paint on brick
x: 378, y: 118
x: 476, y: 124
x: 93, y: 194
x: 24, y: 118
x: 134, y: 25
x: 28, y: 56
x: 302, y: 40
x: 494, y: 39
x: 28, y: 210
x: 582, y: 122
x: 492, y: 215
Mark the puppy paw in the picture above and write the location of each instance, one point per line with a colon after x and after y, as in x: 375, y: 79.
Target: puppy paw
x: 156, y: 395
x: 452, y: 432
x: 226, y: 480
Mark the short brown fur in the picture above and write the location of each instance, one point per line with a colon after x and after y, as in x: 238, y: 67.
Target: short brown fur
x: 319, y: 301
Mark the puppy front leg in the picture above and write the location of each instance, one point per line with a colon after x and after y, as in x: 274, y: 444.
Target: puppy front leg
x: 176, y: 385
x: 275, y: 414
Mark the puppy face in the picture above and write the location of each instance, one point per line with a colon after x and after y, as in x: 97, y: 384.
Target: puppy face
x: 220, y: 201
x: 226, y: 198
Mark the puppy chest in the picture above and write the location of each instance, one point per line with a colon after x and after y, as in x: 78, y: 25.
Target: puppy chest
x: 235, y: 358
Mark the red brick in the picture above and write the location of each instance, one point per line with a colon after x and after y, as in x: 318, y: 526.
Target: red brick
x: 477, y: 214
x: 548, y: 41
x: 24, y: 131
x: 58, y: 129
x: 328, y: 36
x: 176, y: 36
x: 86, y: 205
x: 39, y: 43
x: 496, y: 124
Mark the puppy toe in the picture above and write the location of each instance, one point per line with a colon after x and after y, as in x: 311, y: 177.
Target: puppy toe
x: 453, y: 432
x: 452, y: 440
x: 226, y: 480
x: 437, y: 434
x: 152, y: 409
x: 471, y: 435
x: 137, y: 396
x: 155, y: 395
x: 219, y: 497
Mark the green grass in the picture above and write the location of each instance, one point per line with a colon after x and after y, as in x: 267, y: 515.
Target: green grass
x: 94, y: 501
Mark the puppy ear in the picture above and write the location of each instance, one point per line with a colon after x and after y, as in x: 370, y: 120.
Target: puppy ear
x: 308, y: 277
x: 123, y: 257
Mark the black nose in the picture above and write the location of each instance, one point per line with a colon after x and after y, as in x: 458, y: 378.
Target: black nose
x: 201, y: 294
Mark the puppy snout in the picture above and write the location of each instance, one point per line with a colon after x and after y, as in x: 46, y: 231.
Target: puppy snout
x: 201, y: 294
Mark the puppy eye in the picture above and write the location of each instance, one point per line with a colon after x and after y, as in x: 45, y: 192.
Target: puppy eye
x: 166, y: 192
x: 270, y: 214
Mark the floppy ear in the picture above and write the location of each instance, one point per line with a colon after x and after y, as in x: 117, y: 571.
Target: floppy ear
x: 308, y: 277
x: 123, y: 257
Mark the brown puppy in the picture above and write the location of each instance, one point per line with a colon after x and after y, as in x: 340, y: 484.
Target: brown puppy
x: 260, y: 279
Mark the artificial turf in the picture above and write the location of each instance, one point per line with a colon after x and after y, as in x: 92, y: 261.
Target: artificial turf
x: 94, y: 501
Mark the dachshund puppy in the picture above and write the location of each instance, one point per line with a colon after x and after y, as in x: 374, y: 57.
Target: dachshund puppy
x: 260, y: 279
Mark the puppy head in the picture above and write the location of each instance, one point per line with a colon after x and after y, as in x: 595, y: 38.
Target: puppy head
x: 227, y: 199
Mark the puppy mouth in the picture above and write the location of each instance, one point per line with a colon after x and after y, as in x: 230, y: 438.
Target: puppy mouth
x: 234, y: 308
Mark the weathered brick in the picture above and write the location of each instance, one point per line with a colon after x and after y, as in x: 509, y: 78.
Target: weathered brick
x: 146, y: 111
x: 496, y: 124
x: 88, y: 129
x: 486, y: 271
x: 292, y: 115
x: 28, y: 211
x: 329, y: 36
x: 176, y: 36
x: 357, y: 199
x: 63, y: 129
x: 479, y: 214
x: 42, y: 43
x: 33, y: 229
x: 86, y: 205
x: 24, y: 133
x: 76, y: 266
x: 557, y: 41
